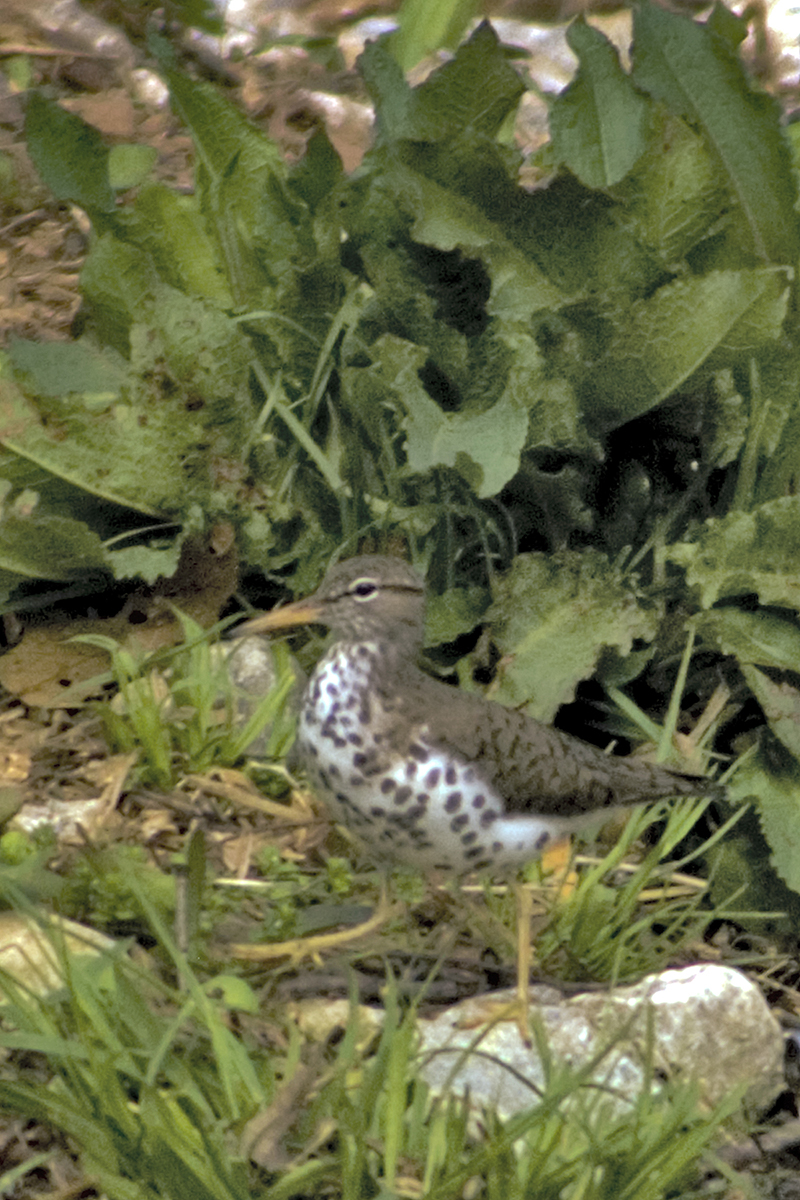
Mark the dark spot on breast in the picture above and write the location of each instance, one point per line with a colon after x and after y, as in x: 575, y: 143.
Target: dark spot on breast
x: 488, y: 818
x: 450, y: 776
x: 355, y: 739
x: 402, y: 794
x: 357, y: 781
x: 479, y: 800
x: 459, y: 822
x: 433, y: 777
x: 311, y: 749
x: 411, y: 770
x: 453, y: 802
x: 340, y: 796
x: 468, y: 838
x: 332, y: 689
x: 364, y: 714
x: 334, y: 771
x: 359, y: 759
x: 420, y: 753
x: 378, y: 812
x: 542, y: 840
x: 315, y: 693
x: 338, y: 741
x: 388, y: 785
x: 497, y: 847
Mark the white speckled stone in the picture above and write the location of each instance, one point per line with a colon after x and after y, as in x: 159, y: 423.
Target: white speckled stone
x: 710, y: 1023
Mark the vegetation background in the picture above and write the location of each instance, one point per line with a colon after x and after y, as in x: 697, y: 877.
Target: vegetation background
x: 563, y: 380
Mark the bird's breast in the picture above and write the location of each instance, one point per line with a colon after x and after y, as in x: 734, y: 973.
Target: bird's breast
x: 408, y: 799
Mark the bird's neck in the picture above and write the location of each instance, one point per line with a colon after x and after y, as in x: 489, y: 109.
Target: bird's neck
x: 379, y: 648
x: 366, y: 661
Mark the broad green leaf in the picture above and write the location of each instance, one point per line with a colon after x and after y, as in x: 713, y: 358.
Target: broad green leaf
x: 35, y: 544
x: 754, y: 552
x: 598, y: 124
x: 667, y: 338
x: 561, y: 243
x: 147, y: 562
x: 476, y: 91
x: 425, y: 27
x: 677, y: 195
x: 453, y: 613
x: 110, y: 454
x: 172, y: 230
x: 764, y: 637
x: 772, y: 783
x: 129, y: 165
x: 235, y: 992
x: 552, y: 617
x: 264, y: 232
x: 697, y: 75
x: 58, y: 368
x: 731, y: 420
x: 69, y: 155
x: 179, y: 344
x: 775, y: 427
x: 781, y: 705
x: 58, y: 497
x: 466, y: 220
x: 484, y: 447
x: 318, y: 172
x: 741, y: 866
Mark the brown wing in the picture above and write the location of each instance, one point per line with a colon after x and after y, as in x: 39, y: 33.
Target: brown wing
x: 535, y: 767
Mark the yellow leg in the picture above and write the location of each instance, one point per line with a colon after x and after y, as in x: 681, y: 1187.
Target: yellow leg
x: 518, y: 1010
x: 556, y: 861
x: 312, y: 947
x: 524, y: 913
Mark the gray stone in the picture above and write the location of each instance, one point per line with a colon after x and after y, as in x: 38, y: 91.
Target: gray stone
x: 706, y: 1023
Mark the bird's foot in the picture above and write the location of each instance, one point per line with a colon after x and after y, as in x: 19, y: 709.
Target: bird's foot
x: 495, y: 1012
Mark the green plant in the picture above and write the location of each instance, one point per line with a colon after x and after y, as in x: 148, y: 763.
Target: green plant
x: 161, y: 1098
x: 577, y: 404
x: 178, y: 708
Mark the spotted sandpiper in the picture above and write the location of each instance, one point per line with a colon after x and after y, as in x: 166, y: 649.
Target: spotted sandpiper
x: 428, y: 775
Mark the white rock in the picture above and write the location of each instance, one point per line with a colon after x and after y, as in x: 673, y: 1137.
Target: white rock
x: 708, y: 1023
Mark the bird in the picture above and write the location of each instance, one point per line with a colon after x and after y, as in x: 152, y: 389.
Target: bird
x: 426, y: 774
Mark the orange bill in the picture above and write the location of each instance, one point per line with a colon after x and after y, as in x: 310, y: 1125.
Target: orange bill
x: 302, y: 612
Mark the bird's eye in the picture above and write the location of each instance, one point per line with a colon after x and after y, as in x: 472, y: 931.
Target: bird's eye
x: 363, y: 589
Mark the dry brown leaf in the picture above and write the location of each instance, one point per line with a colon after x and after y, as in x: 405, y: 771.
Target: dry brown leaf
x: 48, y: 668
